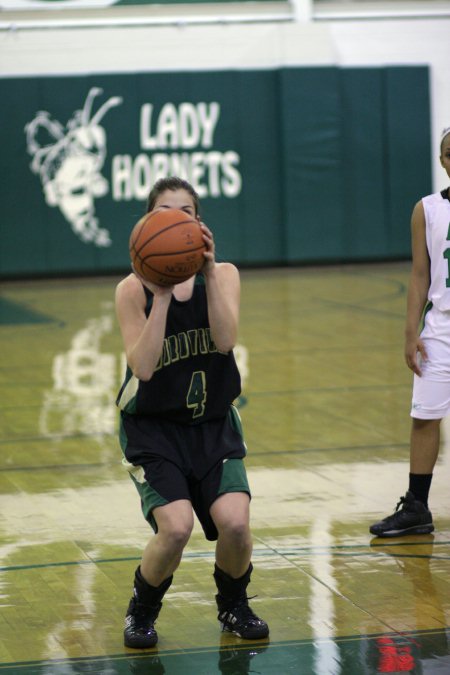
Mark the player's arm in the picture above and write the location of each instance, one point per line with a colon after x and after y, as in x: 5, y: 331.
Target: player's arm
x: 142, y: 337
x: 223, y: 290
x: 419, y: 285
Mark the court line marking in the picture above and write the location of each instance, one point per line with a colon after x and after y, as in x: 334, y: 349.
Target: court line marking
x: 350, y: 551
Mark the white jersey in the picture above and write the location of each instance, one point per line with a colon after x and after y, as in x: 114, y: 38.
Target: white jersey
x: 437, y: 220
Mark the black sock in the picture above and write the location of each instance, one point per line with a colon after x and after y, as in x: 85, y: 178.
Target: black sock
x: 148, y: 594
x: 231, y: 589
x: 419, y: 485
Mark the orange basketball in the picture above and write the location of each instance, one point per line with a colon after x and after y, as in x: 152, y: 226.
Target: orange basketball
x: 166, y: 247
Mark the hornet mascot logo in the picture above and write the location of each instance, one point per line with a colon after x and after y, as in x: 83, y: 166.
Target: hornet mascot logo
x: 69, y: 160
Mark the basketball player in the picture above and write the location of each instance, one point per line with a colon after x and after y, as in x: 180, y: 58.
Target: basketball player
x: 427, y: 354
x: 180, y: 434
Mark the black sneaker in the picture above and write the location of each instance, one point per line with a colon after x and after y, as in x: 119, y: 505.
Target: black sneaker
x: 240, y: 620
x: 412, y: 518
x: 140, y: 630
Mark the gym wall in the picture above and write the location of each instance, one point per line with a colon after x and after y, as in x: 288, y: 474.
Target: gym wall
x: 292, y: 164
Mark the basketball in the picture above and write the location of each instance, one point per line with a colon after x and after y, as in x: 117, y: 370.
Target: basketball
x: 166, y: 247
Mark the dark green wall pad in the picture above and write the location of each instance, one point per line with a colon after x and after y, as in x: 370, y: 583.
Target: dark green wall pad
x: 293, y: 165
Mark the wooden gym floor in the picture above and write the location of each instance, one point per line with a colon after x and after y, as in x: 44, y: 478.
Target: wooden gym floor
x: 325, y: 409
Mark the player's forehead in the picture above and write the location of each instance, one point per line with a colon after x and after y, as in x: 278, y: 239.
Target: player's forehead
x: 175, y: 199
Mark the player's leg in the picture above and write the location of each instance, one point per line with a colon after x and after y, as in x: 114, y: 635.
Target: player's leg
x: 163, y: 552
x: 232, y: 571
x: 166, y: 504
x: 230, y: 513
x: 221, y: 499
x: 424, y: 449
x: 161, y: 557
x: 431, y: 402
x: 412, y: 515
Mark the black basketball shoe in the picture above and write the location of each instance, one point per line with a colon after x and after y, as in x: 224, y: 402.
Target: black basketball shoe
x: 239, y: 619
x: 140, y: 620
x: 412, y: 518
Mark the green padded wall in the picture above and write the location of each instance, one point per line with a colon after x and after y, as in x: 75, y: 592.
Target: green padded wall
x: 293, y: 165
x: 351, y: 179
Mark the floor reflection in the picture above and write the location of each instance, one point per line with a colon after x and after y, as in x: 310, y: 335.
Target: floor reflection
x: 418, y: 653
x: 325, y: 410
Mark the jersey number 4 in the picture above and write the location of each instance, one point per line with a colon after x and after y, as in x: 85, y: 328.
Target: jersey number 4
x: 196, y: 395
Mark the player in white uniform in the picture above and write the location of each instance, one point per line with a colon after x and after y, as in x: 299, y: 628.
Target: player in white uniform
x: 427, y: 354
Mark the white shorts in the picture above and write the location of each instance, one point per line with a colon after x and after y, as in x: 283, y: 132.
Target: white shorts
x: 431, y: 391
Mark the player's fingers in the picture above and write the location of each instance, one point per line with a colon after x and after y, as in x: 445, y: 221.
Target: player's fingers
x: 415, y: 368
x: 205, y: 229
x: 209, y: 241
x: 411, y: 361
x: 422, y: 350
x: 207, y: 234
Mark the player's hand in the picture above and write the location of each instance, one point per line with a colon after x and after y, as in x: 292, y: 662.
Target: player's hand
x: 210, y: 253
x: 156, y: 289
x: 415, y: 353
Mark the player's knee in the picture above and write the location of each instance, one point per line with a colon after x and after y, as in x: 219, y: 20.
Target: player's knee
x: 179, y: 533
x: 425, y: 424
x: 236, y: 530
x: 175, y: 524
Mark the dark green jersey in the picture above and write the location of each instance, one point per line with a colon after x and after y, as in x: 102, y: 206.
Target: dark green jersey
x: 192, y: 382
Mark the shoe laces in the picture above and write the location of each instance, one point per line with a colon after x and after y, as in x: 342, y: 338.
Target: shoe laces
x: 401, y: 502
x: 405, y: 501
x: 243, y: 612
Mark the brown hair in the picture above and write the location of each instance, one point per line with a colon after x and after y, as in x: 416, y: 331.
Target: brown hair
x: 172, y: 183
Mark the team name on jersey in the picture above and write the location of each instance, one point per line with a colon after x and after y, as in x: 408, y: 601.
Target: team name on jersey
x: 184, y: 345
